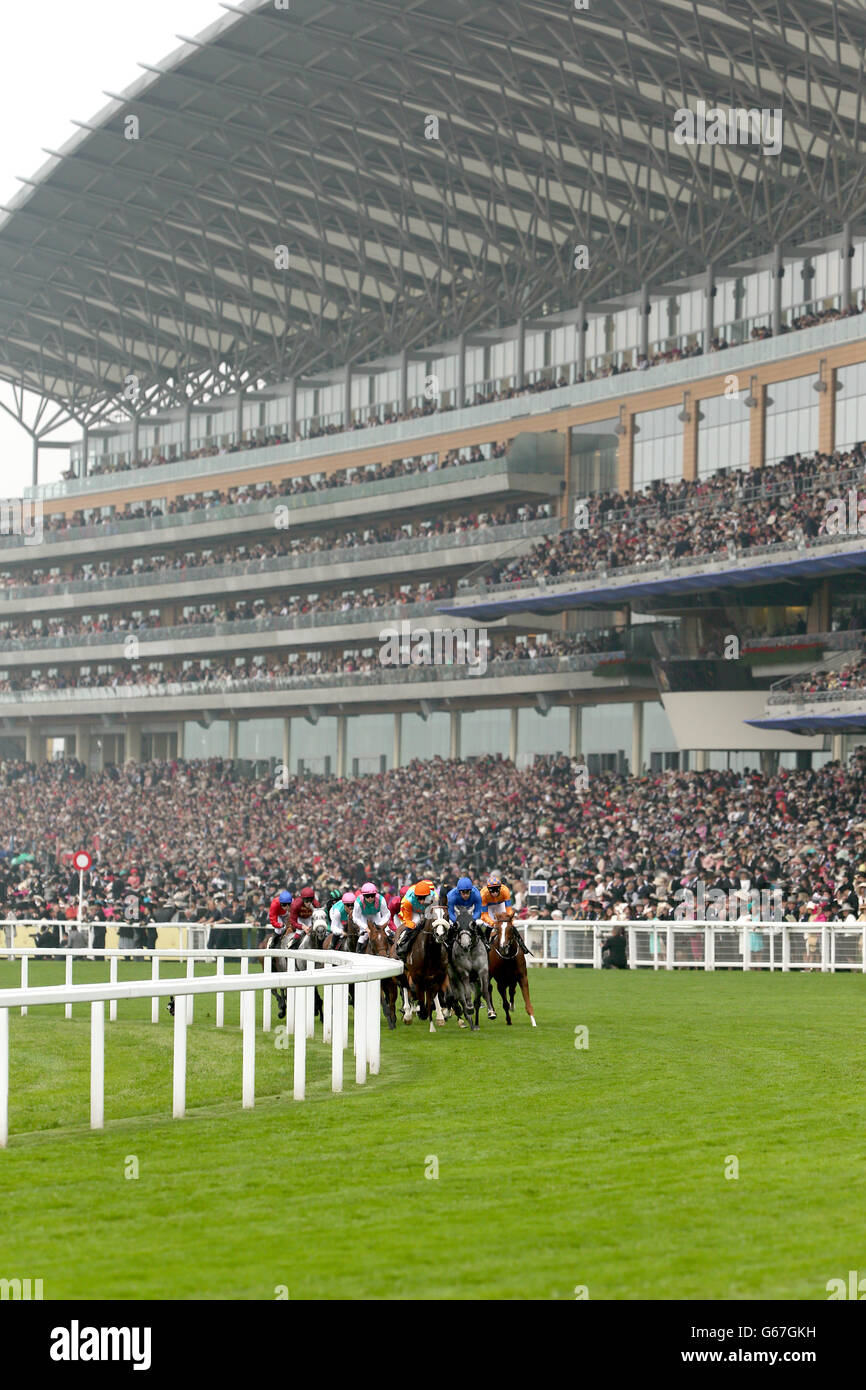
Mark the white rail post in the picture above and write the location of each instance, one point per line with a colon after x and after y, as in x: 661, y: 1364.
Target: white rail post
x: 746, y: 949
x: 709, y: 948
x: 178, y: 1104
x: 154, y: 1003
x: 25, y: 970
x: 560, y: 947
x: 825, y: 949
x: 266, y: 998
x: 245, y: 970
x: 4, y: 1078
x: 67, y: 1012
x: 786, y: 946
x: 596, y: 949
x: 220, y: 999
x: 112, y: 979
x: 310, y: 1000
x: 360, y: 1033
x: 97, y: 1065
x: 669, y: 948
x: 300, y: 1049
x: 374, y: 1019
x: 290, y: 996
x: 632, y: 949
x: 337, y: 1043
x: 190, y: 975
x: 327, y: 1007
x: 248, y: 1021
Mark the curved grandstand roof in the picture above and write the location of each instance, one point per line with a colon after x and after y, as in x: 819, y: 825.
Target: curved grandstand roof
x: 305, y: 128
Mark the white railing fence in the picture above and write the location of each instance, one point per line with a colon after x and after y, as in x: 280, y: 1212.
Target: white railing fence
x: 701, y: 945
x: 333, y: 971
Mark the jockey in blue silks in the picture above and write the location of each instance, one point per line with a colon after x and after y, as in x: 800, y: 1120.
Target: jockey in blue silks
x: 464, y: 895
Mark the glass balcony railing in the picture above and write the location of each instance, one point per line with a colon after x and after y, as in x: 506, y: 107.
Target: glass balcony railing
x: 416, y: 675
x: 288, y: 563
x: 241, y: 627
x: 299, y: 501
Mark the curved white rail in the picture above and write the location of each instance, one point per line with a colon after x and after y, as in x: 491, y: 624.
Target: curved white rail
x: 334, y: 971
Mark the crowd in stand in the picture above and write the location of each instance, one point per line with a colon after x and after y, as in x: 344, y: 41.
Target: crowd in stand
x: 241, y: 610
x: 205, y: 500
x: 373, y: 419
x: 283, y: 544
x: 175, y: 835
x: 726, y: 514
x: 833, y: 681
x: 264, y: 671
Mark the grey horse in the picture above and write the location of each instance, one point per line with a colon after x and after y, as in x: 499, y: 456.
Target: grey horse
x: 470, y: 972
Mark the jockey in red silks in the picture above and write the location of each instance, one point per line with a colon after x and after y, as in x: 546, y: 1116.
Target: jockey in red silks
x: 301, y: 911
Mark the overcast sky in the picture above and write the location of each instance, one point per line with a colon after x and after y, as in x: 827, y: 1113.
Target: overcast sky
x: 58, y: 59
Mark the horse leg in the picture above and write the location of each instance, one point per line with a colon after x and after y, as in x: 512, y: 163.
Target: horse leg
x: 440, y: 1016
x: 486, y: 991
x: 524, y: 989
x: 503, y: 995
x: 407, y: 1005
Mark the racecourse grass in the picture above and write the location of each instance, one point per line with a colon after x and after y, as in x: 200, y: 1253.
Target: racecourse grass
x: 558, y: 1167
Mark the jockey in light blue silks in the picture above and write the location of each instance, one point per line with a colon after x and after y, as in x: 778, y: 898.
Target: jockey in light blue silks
x: 371, y: 906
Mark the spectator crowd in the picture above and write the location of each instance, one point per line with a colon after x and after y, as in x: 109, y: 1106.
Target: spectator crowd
x: 195, y: 841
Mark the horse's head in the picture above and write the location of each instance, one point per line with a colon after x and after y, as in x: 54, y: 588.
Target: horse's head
x: 318, y: 928
x: 504, y: 939
x: 466, y: 929
x: 436, y: 923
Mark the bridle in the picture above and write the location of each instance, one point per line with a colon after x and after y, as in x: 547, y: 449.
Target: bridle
x: 505, y: 950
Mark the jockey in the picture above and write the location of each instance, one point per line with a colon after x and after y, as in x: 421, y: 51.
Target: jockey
x: 340, y: 914
x: 415, y: 903
x: 498, y: 904
x: 278, y: 912
x: 370, y: 906
x: 464, y: 895
x: 301, y: 911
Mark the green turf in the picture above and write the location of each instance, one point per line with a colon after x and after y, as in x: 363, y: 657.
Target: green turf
x: 558, y: 1167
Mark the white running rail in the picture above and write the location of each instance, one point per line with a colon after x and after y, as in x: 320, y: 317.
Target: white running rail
x: 334, y: 971
x: 682, y: 945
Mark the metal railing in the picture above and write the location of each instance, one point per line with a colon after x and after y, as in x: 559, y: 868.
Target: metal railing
x: 334, y: 971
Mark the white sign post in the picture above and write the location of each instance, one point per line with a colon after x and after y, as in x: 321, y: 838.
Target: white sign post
x: 82, y: 862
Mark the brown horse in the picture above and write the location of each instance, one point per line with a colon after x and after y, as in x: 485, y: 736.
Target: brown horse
x: 427, y: 967
x: 381, y: 944
x: 508, y: 967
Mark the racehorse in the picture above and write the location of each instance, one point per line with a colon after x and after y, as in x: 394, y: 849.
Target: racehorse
x: 427, y: 968
x: 314, y: 940
x: 470, y: 971
x: 381, y: 944
x: 508, y: 967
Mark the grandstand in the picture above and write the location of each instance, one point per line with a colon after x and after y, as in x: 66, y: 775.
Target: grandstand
x: 620, y: 474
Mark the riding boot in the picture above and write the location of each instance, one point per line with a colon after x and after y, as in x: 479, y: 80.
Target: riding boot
x: 404, y: 941
x: 525, y: 948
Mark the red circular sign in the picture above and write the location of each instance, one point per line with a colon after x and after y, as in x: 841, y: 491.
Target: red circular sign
x: 82, y: 860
